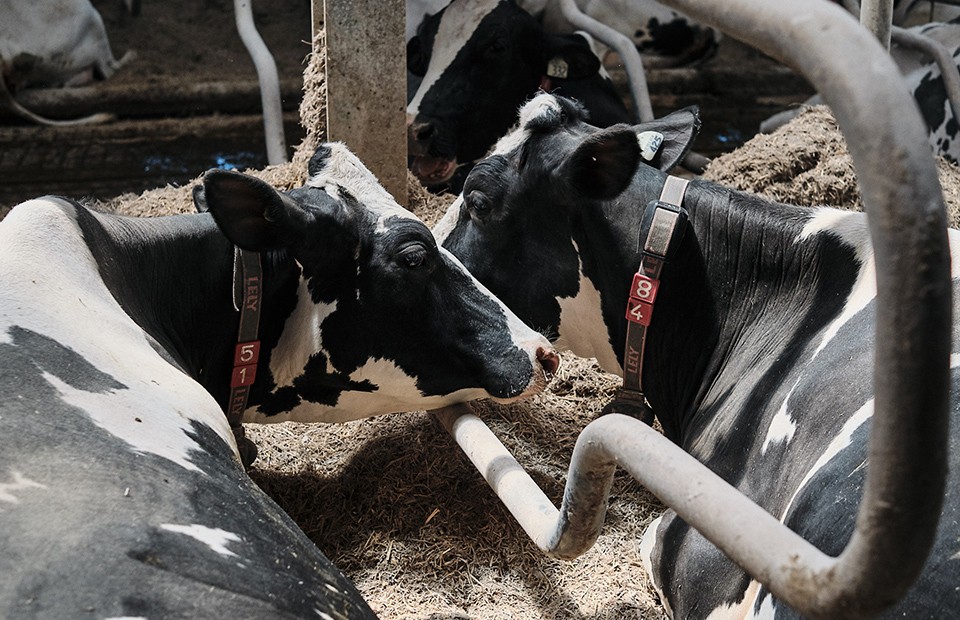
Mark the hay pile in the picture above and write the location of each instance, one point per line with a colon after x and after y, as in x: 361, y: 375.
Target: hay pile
x: 806, y: 162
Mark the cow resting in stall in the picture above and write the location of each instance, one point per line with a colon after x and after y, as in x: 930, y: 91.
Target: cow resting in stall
x: 924, y: 80
x: 122, y: 491
x: 53, y: 44
x: 757, y: 360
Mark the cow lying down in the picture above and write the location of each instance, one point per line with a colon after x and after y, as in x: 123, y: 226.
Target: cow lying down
x: 758, y: 359
x: 121, y: 488
x: 53, y: 44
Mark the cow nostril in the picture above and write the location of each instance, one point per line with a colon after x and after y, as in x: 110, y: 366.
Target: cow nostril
x: 422, y: 131
x: 549, y: 361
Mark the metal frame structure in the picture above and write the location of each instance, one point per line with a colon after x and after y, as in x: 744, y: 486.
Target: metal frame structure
x: 269, y: 82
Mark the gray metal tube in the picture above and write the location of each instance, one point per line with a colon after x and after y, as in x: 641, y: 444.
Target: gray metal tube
x: 269, y: 82
x: 632, y: 64
x: 679, y: 480
x: 907, y: 469
x: 877, y: 17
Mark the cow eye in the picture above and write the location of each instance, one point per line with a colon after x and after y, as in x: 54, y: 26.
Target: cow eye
x: 412, y: 256
x: 477, y: 203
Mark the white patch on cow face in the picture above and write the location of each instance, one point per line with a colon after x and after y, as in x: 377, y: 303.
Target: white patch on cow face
x: 443, y: 228
x: 53, y: 288
x: 343, y: 169
x: 215, y: 538
x: 521, y: 335
x: 20, y: 483
x: 510, y: 142
x: 541, y: 104
x: 457, y: 25
x: 782, y: 426
x: 850, y: 228
x: 582, y: 329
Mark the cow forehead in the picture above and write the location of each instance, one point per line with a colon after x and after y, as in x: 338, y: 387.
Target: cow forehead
x: 538, y: 110
x: 342, y: 169
x: 459, y: 21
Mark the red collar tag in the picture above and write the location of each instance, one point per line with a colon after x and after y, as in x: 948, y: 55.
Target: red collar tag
x: 661, y: 231
x: 247, y: 352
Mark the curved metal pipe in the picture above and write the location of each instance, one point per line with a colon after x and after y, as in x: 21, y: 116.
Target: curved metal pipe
x: 903, y: 493
x: 269, y: 82
x: 877, y: 17
x: 678, y: 479
x: 941, y: 55
x: 632, y: 64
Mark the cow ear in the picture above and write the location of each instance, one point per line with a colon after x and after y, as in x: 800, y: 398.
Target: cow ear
x: 604, y: 162
x: 252, y: 214
x: 569, y: 56
x: 199, y: 199
x: 675, y: 132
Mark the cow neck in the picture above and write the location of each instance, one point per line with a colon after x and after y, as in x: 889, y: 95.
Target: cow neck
x: 662, y: 228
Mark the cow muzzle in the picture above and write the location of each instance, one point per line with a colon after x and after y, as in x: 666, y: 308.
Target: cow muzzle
x: 426, y: 163
x: 545, y: 367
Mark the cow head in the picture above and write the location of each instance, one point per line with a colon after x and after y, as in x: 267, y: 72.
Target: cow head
x: 480, y: 60
x: 380, y: 318
x: 528, y: 212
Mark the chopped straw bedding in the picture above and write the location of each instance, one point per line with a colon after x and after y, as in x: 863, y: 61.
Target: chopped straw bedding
x: 397, y: 506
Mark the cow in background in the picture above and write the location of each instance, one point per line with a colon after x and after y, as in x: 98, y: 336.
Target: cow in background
x: 53, y: 43
x: 759, y: 355
x: 924, y: 80
x: 480, y: 60
x: 665, y: 37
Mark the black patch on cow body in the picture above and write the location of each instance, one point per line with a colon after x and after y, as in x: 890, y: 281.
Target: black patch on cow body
x: 85, y: 536
x: 931, y: 95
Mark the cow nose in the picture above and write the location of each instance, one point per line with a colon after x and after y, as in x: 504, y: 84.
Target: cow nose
x: 422, y: 131
x: 549, y: 361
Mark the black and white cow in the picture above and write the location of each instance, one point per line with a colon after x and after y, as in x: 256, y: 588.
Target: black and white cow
x: 121, y: 490
x: 665, y: 37
x: 924, y: 80
x: 52, y: 44
x: 480, y: 60
x: 759, y: 355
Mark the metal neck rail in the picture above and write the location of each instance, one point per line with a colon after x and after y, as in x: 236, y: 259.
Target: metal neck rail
x: 907, y: 455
